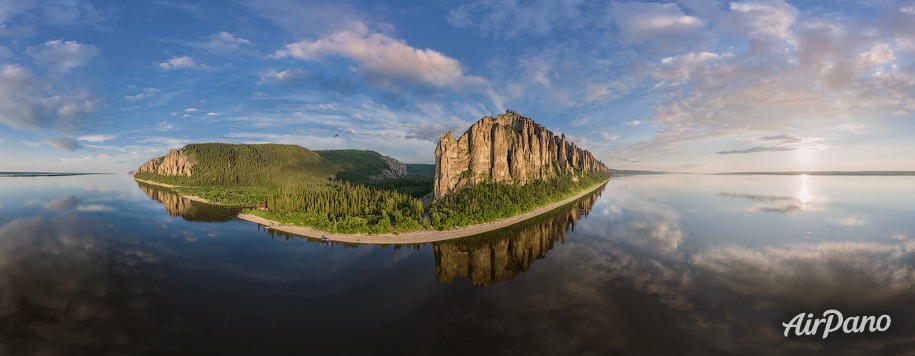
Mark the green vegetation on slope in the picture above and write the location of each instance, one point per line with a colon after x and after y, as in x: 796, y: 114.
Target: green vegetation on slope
x: 420, y: 169
x: 359, y: 166
x: 264, y: 165
x: 346, y: 208
x: 492, y: 201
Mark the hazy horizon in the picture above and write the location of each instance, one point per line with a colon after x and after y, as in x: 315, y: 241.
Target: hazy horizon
x: 686, y: 86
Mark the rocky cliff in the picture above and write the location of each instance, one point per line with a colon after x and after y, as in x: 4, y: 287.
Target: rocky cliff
x: 175, y: 163
x: 396, y: 169
x: 509, y: 147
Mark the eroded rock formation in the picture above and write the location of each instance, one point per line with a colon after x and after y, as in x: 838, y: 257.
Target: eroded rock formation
x: 175, y: 163
x: 396, y: 169
x: 509, y: 147
x: 509, y: 253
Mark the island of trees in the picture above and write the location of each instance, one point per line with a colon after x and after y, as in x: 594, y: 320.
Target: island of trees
x: 364, y: 192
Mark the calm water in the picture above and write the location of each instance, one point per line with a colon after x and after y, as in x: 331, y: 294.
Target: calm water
x: 665, y: 264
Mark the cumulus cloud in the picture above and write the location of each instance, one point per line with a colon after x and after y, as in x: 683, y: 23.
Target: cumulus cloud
x: 385, y: 58
x: 221, y: 42
x: 62, y: 55
x: 633, y: 123
x: 184, y: 62
x: 26, y: 104
x: 766, y: 18
x: 641, y: 22
x: 145, y: 94
x: 290, y: 77
x: 96, y: 138
x: 64, y: 144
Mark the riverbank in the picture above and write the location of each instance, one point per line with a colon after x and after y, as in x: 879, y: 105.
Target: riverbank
x: 422, y: 236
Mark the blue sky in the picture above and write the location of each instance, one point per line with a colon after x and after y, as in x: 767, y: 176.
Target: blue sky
x: 696, y: 86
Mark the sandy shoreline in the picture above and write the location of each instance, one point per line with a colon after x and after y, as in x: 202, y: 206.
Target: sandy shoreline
x: 417, y: 236
x: 401, y: 238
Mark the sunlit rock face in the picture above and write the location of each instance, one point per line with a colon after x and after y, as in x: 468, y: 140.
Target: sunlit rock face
x: 488, y: 259
x: 507, y: 148
x: 175, y: 163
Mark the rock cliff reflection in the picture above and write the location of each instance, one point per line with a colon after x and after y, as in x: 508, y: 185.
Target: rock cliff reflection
x: 503, y: 254
x: 190, y: 210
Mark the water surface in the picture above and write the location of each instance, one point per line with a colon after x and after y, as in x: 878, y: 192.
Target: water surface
x: 655, y: 264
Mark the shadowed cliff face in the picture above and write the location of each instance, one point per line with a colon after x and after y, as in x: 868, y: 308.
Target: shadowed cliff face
x: 503, y: 254
x: 509, y: 147
x: 190, y: 210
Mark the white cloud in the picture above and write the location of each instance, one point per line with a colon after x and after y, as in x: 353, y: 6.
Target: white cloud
x: 609, y: 136
x: 27, y: 104
x: 62, y: 55
x: 64, y: 144
x: 96, y: 138
x: 221, y: 42
x: 633, y: 123
x: 146, y: 94
x: 164, y: 126
x: 603, y: 91
x: 538, y: 70
x: 184, y: 62
x: 385, y: 58
x: 766, y: 18
x: 908, y: 10
x: 879, y: 54
x: 191, y: 110
x: 640, y: 22
x: 290, y: 77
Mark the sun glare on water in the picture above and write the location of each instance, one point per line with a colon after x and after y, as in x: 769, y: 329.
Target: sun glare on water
x: 804, y: 194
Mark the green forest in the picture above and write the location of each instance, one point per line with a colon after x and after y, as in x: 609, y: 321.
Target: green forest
x: 338, y: 191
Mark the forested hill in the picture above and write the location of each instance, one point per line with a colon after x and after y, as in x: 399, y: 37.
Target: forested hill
x: 222, y: 164
x: 361, y: 166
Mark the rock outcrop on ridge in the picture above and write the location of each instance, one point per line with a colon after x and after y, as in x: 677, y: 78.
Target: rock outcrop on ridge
x: 175, y: 163
x: 396, y: 169
x: 507, y: 148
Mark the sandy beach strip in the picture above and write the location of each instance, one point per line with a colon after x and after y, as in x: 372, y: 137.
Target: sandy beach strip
x: 416, y: 237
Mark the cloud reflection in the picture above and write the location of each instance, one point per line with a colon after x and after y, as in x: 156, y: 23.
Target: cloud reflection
x: 62, y: 288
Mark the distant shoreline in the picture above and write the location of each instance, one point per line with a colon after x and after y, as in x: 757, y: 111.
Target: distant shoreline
x: 822, y: 173
x: 43, y: 174
x: 415, y: 237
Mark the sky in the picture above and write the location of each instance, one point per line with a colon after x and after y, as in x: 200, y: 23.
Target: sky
x: 687, y: 86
